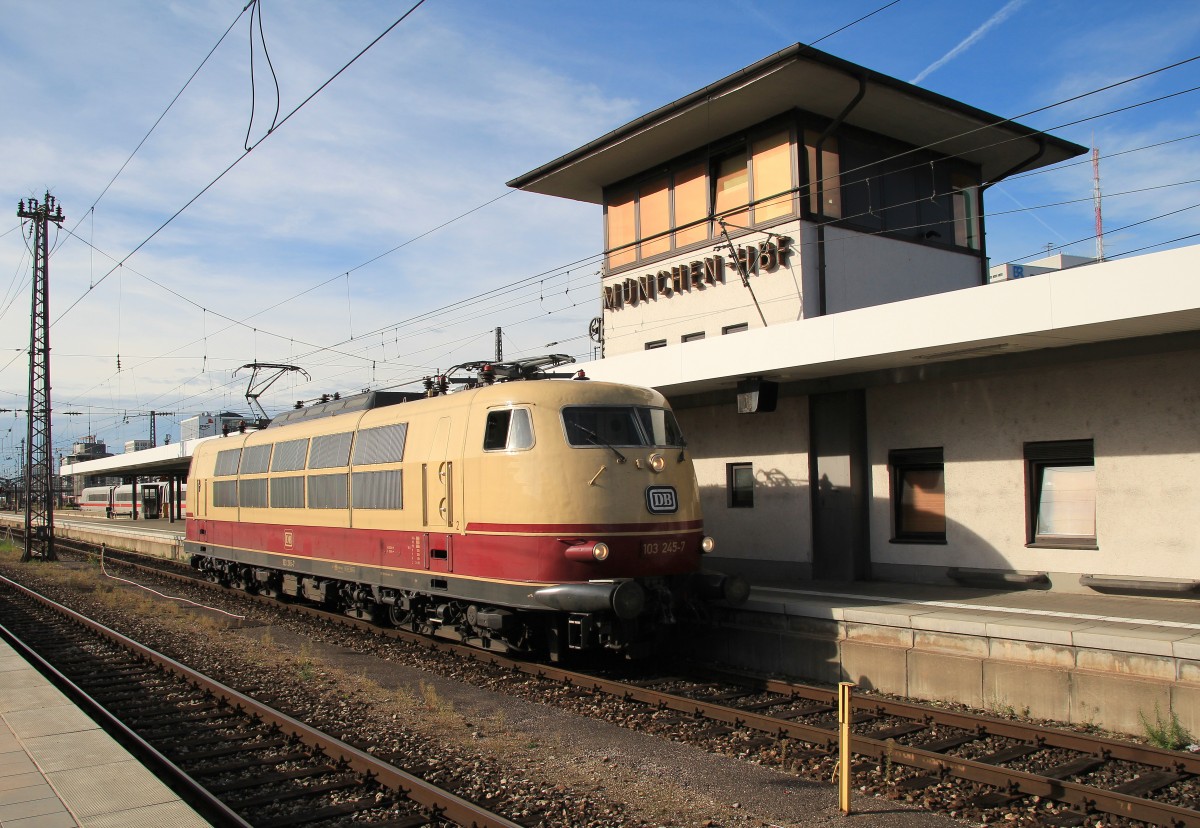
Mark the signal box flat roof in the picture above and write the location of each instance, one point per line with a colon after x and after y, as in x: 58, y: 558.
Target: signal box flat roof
x: 798, y: 77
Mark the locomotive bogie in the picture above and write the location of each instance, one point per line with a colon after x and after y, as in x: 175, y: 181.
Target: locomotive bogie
x: 522, y: 516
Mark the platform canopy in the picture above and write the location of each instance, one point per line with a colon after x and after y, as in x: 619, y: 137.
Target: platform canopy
x: 175, y: 458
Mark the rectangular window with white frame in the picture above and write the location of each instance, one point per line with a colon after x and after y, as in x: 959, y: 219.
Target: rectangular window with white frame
x: 739, y: 480
x: 1060, y: 492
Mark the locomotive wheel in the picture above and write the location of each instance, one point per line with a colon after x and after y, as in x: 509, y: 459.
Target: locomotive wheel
x: 399, y: 616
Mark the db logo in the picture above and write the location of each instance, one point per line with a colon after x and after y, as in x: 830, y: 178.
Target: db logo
x: 661, y: 500
x: 287, y: 539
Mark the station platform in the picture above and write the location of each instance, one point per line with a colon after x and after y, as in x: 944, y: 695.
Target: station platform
x: 1111, y: 661
x: 58, y: 769
x: 160, y: 537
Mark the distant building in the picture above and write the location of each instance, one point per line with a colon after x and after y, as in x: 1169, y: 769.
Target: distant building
x: 209, y: 425
x: 88, y: 449
x: 137, y: 445
x: 1059, y: 261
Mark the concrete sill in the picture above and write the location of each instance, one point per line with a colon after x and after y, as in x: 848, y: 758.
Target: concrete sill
x: 999, y: 578
x: 1140, y: 585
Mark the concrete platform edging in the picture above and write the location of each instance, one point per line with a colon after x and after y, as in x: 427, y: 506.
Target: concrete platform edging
x: 1026, y: 666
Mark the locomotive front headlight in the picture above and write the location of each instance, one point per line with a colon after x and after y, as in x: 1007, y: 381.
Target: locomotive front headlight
x: 707, y: 545
x: 657, y: 462
x: 600, y: 551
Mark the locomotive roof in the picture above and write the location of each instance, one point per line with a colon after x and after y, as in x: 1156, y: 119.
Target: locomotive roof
x: 345, y: 405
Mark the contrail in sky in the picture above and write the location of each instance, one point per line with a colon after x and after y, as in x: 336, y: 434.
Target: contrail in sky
x: 971, y: 39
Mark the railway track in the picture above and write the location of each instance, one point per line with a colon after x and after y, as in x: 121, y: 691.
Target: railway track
x: 236, y: 760
x: 997, y: 763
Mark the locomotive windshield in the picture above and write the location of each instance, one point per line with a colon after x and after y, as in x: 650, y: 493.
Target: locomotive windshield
x: 621, y: 425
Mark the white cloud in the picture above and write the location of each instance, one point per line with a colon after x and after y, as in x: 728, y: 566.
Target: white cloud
x: 974, y: 37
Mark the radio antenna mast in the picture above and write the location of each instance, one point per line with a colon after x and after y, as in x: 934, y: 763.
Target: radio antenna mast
x: 1096, y: 201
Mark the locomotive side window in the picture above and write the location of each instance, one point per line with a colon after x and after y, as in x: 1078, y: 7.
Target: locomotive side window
x: 290, y: 456
x: 621, y: 425
x: 287, y: 492
x: 327, y: 491
x: 224, y: 493
x: 378, y: 490
x: 508, y: 429
x: 256, y: 459
x: 384, y: 444
x: 330, y: 451
x: 253, y: 493
x: 227, y: 462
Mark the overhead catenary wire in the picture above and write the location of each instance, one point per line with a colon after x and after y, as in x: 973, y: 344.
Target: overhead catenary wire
x: 843, y: 173
x: 518, y: 303
x: 162, y: 115
x: 1039, y: 207
x: 240, y: 158
x: 388, y: 328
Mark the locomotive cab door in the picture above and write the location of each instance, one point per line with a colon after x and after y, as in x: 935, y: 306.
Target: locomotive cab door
x: 437, y: 500
x: 437, y: 481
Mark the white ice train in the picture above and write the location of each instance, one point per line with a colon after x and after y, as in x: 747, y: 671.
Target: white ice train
x: 153, y: 501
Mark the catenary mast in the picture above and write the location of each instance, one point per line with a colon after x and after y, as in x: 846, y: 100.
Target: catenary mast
x: 39, y: 448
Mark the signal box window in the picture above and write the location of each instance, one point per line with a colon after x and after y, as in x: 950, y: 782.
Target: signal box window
x: 771, y: 158
x: 918, y: 495
x: 508, y: 429
x: 731, y: 189
x: 739, y: 482
x: 1060, y: 488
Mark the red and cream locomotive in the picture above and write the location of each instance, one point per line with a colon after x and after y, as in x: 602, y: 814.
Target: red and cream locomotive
x: 531, y: 517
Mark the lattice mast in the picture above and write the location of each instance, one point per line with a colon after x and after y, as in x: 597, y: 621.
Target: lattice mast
x: 39, y: 447
x: 1096, y: 201
x: 153, y: 415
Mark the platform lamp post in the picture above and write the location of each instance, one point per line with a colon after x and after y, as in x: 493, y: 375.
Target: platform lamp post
x: 39, y: 448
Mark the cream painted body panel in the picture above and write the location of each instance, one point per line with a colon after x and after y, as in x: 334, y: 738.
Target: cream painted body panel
x: 551, y: 483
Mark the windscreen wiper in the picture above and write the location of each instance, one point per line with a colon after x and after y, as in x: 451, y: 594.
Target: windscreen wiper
x: 596, y: 441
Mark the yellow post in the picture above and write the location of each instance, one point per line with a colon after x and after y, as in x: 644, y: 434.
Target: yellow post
x: 844, y: 717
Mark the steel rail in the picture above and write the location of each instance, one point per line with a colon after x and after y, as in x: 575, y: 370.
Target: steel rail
x: 988, y: 725
x: 1083, y: 796
x: 440, y: 803
x: 192, y: 792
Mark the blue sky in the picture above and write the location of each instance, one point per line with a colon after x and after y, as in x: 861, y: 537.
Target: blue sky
x: 427, y: 126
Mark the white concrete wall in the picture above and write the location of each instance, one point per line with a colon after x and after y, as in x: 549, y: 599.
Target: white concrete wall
x: 864, y: 270
x: 779, y: 526
x: 1144, y: 416
x: 710, y: 308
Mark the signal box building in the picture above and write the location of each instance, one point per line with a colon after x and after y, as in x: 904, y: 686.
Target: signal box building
x: 796, y: 256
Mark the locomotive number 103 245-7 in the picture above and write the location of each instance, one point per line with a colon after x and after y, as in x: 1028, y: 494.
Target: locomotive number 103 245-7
x: 663, y: 547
